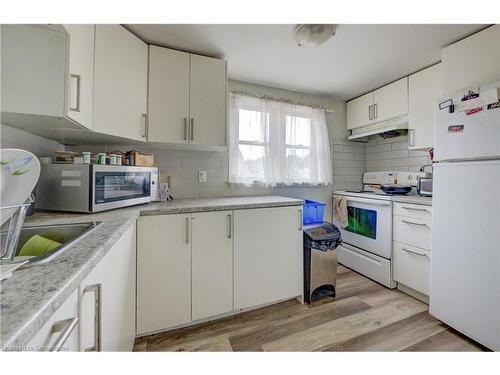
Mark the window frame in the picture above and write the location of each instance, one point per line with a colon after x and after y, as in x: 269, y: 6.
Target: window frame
x: 263, y: 144
x: 298, y: 147
x: 281, y: 165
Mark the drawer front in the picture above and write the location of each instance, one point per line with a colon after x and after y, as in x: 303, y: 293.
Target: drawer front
x: 418, y: 211
x: 412, y: 231
x: 60, y: 333
x: 412, y: 267
x: 372, y: 266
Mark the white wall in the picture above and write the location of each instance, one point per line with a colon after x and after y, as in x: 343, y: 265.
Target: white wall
x: 16, y: 138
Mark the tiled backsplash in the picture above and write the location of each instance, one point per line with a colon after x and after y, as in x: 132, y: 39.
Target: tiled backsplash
x: 349, y: 159
x: 184, y: 166
x: 393, y: 154
x: 349, y: 164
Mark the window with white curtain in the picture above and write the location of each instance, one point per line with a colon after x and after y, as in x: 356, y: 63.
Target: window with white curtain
x: 273, y: 143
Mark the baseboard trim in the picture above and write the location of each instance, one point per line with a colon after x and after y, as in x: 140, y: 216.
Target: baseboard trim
x: 412, y: 292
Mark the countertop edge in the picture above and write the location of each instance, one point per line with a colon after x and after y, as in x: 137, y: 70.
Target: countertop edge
x: 185, y: 210
x: 42, y: 316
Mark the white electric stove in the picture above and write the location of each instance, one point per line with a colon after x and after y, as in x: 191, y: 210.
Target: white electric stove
x: 367, y: 241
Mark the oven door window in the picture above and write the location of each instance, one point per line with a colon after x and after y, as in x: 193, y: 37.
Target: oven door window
x: 362, y: 221
x: 118, y: 186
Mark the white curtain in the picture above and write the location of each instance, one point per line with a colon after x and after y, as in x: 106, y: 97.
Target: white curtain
x: 272, y: 142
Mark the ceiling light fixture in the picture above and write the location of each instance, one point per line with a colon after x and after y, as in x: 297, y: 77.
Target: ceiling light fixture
x: 313, y: 35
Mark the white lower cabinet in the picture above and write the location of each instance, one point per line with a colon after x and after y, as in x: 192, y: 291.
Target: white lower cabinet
x: 412, y: 266
x: 60, y: 333
x: 163, y: 272
x: 192, y: 267
x: 413, y: 231
x: 184, y: 269
x: 107, y: 299
x: 412, y: 246
x: 267, y: 255
x: 212, y: 264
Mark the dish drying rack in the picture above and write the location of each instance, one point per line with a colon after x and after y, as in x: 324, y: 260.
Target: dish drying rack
x: 11, y: 228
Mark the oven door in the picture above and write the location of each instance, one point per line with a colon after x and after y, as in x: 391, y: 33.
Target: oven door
x: 370, y: 225
x: 120, y: 186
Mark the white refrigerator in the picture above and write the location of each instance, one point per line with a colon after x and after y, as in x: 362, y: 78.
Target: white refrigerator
x: 465, y: 264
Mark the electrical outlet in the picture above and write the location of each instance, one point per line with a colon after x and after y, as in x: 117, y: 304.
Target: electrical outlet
x: 202, y: 176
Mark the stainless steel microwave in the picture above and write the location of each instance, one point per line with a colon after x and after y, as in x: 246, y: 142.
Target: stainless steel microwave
x: 94, y: 188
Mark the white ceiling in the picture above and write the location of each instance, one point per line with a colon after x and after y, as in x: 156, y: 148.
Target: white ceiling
x: 358, y: 59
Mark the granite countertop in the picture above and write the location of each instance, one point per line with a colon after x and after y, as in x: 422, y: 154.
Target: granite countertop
x: 182, y: 206
x: 31, y: 296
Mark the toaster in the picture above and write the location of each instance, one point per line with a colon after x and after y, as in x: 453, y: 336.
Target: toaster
x: 424, y: 186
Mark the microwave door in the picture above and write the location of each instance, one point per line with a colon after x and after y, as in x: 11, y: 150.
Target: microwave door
x: 121, y: 187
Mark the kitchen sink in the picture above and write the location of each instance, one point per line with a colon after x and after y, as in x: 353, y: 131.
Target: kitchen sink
x: 66, y: 234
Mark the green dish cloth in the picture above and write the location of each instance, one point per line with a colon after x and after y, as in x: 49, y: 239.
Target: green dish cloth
x: 38, y: 245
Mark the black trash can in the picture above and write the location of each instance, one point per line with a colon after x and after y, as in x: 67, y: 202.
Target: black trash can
x: 320, y: 259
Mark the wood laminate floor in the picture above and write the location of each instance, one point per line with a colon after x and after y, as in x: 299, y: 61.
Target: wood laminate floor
x: 364, y: 316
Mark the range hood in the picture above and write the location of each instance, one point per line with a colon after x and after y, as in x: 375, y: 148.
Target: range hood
x: 386, y: 129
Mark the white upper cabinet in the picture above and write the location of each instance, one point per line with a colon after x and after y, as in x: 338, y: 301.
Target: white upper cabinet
x: 33, y: 70
x: 120, y: 83
x: 187, y: 98
x: 359, y: 111
x: 383, y: 104
x: 391, y: 101
x: 168, y: 95
x: 472, y: 61
x: 81, y: 74
x: 424, y: 92
x: 208, y: 101
x: 48, y: 73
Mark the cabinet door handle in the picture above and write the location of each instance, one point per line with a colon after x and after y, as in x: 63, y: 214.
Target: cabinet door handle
x: 300, y: 220
x: 187, y: 230
x: 77, y: 107
x: 414, y: 209
x: 230, y: 226
x: 192, y: 129
x: 97, y: 290
x: 375, y: 114
x: 145, y: 124
x: 413, y: 252
x: 185, y: 128
x: 65, y: 326
x: 413, y: 223
x: 370, y: 113
x: 411, y: 137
